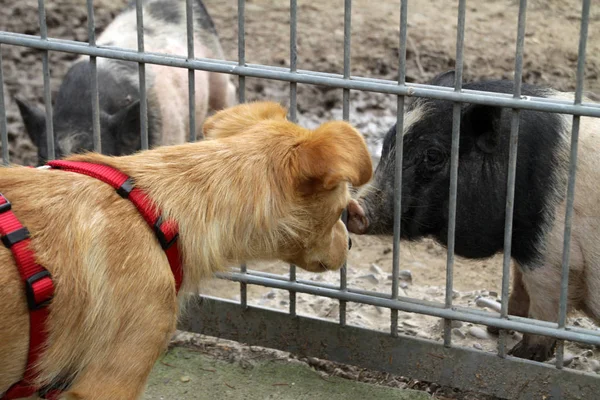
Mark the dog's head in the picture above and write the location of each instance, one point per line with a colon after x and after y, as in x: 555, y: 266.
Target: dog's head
x: 304, y: 181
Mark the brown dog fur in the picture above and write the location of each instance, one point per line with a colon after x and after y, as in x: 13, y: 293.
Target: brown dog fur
x: 259, y: 187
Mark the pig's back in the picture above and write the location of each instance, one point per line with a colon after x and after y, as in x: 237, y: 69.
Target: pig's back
x: 165, y: 29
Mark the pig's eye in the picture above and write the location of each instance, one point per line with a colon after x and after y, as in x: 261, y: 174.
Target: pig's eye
x: 433, y: 158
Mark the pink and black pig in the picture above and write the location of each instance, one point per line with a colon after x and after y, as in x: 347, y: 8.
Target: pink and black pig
x: 539, y: 204
x: 119, y: 91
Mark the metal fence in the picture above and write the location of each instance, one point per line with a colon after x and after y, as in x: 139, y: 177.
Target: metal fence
x: 495, y: 374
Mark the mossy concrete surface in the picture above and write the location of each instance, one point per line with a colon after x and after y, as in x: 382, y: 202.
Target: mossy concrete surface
x: 187, y: 374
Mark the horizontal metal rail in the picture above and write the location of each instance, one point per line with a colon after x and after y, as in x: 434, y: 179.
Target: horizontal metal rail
x: 308, y: 77
x: 412, y: 300
x: 449, y: 313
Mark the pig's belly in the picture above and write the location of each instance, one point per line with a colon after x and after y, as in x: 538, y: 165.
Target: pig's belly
x: 170, y: 89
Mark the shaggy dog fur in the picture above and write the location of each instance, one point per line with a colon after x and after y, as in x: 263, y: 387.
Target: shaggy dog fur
x: 258, y: 188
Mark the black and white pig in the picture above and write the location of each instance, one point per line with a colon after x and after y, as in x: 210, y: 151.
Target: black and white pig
x: 119, y: 92
x: 539, y: 206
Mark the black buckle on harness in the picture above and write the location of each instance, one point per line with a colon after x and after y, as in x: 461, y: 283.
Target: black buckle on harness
x: 30, y: 293
x: 165, y: 244
x: 14, y: 237
x: 125, y: 188
x: 6, y: 206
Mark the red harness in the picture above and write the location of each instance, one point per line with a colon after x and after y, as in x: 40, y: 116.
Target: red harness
x: 39, y: 287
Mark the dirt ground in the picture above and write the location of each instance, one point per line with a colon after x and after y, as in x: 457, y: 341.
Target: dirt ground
x: 550, y: 58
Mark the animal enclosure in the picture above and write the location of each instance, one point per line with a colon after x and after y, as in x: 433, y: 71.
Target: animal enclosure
x: 445, y: 363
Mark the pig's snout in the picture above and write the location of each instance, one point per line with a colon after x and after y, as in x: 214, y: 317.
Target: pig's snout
x: 357, y: 220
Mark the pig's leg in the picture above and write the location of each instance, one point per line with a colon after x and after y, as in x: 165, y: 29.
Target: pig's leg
x: 592, y: 294
x: 222, y: 91
x: 543, y: 286
x: 202, y: 93
x: 518, y: 303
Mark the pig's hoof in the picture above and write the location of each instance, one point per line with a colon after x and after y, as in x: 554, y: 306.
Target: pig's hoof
x: 494, y: 330
x: 535, y: 352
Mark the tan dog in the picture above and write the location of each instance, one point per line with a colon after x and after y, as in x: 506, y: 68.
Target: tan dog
x: 260, y: 187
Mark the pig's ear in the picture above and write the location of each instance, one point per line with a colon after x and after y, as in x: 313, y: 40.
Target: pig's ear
x: 33, y: 119
x: 236, y: 119
x: 332, y: 154
x: 481, y: 123
x: 444, y: 79
x: 126, y: 120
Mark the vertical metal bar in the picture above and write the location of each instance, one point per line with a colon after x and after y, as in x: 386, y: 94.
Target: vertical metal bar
x: 244, y: 288
x: 42, y: 19
x: 241, y: 48
x: 189, y: 12
x: 564, y: 284
x: 343, y: 280
x: 292, y: 293
x: 293, y: 57
x: 346, y: 116
x: 142, y: 76
x: 242, y: 99
x: 347, y: 40
x: 456, y: 114
x: 399, y: 160
x: 94, y: 80
x: 3, y: 126
x: 46, y: 75
x: 512, y: 168
x: 293, y: 117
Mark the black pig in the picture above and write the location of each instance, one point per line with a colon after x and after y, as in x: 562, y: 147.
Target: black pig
x: 539, y: 205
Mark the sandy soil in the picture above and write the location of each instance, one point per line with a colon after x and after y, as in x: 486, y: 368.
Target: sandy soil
x: 550, y: 58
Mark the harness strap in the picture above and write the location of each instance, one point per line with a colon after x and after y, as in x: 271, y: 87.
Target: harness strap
x: 39, y: 287
x: 167, y: 232
x: 39, y: 290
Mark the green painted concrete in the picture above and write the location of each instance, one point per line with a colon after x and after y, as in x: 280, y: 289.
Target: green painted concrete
x: 186, y: 374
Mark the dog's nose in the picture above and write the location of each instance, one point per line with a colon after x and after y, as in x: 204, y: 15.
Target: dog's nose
x: 349, y: 242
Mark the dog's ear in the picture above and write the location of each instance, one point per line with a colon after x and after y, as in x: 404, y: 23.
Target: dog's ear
x: 333, y: 153
x: 236, y: 119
